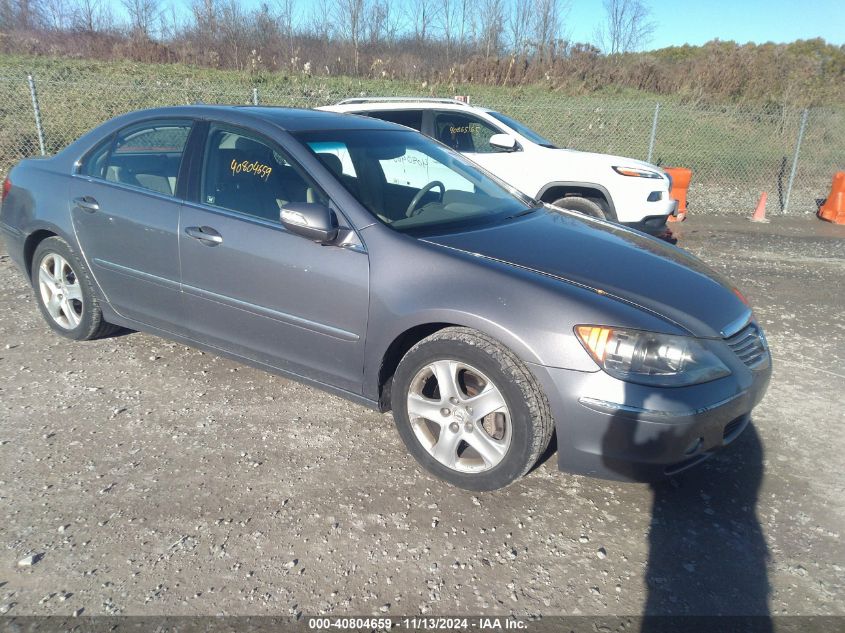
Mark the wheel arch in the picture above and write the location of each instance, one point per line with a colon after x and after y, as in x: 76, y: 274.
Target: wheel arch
x: 32, y: 241
x: 590, y: 190
x: 410, y: 335
x: 394, y: 353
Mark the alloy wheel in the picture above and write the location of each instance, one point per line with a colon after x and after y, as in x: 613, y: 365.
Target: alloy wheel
x: 60, y: 291
x: 459, y: 416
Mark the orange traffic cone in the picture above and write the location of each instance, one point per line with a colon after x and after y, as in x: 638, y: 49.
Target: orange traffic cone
x: 760, y: 211
x: 833, y: 210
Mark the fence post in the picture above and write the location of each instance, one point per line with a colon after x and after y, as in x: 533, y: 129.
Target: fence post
x: 653, y: 133
x: 255, y: 96
x: 37, y: 111
x: 795, y: 159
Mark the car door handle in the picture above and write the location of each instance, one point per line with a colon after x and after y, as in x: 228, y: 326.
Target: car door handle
x: 87, y: 203
x: 204, y: 234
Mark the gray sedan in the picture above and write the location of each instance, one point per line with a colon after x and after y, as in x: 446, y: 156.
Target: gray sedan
x: 367, y: 260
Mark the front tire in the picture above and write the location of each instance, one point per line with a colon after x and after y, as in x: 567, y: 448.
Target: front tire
x: 581, y: 205
x: 469, y: 410
x: 65, y: 294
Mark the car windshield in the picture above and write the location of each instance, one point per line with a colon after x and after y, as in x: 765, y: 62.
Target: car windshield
x: 411, y: 183
x: 522, y: 129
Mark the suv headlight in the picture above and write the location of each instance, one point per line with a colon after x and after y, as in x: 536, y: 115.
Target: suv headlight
x: 650, y: 358
x: 637, y: 172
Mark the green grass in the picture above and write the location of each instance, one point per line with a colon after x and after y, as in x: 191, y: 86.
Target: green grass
x: 727, y: 146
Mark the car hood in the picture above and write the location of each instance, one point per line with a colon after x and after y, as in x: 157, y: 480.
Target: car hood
x: 594, y: 161
x: 613, y: 261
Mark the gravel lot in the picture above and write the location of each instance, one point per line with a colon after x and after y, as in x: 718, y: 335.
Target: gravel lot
x: 150, y: 478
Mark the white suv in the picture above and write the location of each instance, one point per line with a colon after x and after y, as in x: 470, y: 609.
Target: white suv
x: 624, y: 190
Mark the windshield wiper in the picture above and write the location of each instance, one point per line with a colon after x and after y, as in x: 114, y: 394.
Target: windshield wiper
x: 525, y: 212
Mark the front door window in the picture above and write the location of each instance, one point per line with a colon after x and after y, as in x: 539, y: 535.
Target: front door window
x: 245, y: 173
x: 464, y: 133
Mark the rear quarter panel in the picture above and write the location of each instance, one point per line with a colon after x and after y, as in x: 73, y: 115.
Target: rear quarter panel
x: 37, y: 201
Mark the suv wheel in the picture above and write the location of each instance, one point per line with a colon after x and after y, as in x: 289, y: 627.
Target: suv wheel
x: 469, y: 410
x: 581, y: 205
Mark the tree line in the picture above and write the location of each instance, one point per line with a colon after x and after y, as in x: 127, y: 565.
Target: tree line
x: 506, y: 42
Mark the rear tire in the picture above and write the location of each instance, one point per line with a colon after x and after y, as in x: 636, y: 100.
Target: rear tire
x: 487, y: 427
x: 581, y: 205
x: 64, y: 292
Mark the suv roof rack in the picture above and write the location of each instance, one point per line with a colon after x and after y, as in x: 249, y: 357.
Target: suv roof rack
x: 354, y: 100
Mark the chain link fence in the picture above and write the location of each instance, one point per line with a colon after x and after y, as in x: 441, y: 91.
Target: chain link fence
x: 735, y: 152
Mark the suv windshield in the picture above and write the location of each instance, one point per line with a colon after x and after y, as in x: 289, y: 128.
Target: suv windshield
x: 522, y: 129
x: 411, y: 183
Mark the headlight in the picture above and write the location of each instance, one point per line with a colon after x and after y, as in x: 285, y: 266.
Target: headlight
x: 637, y: 172
x: 649, y: 358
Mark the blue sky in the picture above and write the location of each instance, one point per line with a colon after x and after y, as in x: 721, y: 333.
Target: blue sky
x: 684, y: 21
x: 696, y: 22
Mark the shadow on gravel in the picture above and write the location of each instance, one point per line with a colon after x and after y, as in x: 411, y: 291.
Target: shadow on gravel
x: 668, y: 236
x: 707, y: 553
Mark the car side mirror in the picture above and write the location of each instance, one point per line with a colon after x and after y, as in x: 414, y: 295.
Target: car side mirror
x: 312, y: 220
x: 503, y: 141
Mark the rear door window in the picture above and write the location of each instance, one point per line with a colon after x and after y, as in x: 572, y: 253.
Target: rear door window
x: 408, y: 118
x: 94, y: 164
x: 147, y: 156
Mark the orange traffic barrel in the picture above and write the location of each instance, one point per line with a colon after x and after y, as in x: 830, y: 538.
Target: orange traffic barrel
x: 681, y: 177
x: 833, y: 210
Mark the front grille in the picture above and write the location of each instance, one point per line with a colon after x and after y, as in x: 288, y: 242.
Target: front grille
x: 749, y: 346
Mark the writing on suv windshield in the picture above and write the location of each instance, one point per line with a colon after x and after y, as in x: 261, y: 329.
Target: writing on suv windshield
x: 521, y: 128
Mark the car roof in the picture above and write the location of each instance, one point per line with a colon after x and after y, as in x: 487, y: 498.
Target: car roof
x: 369, y: 106
x: 299, y: 119
x: 288, y: 119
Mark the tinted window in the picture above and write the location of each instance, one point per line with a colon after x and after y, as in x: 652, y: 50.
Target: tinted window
x: 408, y: 118
x: 95, y: 163
x: 412, y: 183
x: 464, y: 133
x: 246, y: 173
x: 146, y: 155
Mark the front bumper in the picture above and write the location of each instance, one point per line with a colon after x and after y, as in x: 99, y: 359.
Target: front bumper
x: 654, y: 224
x: 614, y: 430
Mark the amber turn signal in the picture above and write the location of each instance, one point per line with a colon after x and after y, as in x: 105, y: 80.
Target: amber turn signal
x: 594, y: 339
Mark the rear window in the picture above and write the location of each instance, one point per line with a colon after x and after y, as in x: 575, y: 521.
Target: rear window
x: 158, y: 139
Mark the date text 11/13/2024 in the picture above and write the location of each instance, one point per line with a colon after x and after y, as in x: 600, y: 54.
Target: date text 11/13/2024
x: 417, y: 623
